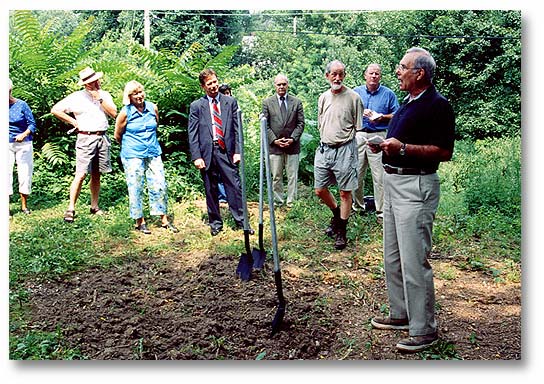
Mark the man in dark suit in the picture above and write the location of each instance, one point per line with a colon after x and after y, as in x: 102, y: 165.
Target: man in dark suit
x: 214, y: 145
x: 285, y: 123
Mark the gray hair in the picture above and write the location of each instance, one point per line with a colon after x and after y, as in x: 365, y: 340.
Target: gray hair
x: 425, y: 61
x: 10, y: 84
x: 281, y: 75
x: 329, y: 66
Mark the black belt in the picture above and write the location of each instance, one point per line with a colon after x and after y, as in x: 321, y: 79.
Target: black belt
x: 216, y: 145
x: 99, y: 133
x: 371, y: 130
x: 335, y: 146
x: 408, y: 171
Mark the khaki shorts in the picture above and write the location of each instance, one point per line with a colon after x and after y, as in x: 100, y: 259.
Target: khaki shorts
x: 92, y: 151
x: 336, y: 166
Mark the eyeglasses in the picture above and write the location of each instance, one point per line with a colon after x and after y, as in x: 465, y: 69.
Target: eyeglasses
x: 281, y: 84
x: 404, y: 68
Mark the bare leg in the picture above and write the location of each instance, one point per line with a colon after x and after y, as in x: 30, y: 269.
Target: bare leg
x: 23, y: 202
x: 326, y: 197
x: 345, y: 204
x: 75, y: 190
x: 95, y: 188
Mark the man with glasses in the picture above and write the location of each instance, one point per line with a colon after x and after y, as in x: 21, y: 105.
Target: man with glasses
x: 285, y: 124
x: 380, y: 105
x: 339, y: 115
x: 420, y: 136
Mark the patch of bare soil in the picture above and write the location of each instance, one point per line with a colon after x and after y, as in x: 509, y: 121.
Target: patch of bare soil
x: 193, y: 306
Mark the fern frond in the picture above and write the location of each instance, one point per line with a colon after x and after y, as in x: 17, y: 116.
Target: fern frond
x: 54, y: 154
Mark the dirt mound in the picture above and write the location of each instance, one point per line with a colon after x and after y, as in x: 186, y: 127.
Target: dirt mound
x: 191, y: 306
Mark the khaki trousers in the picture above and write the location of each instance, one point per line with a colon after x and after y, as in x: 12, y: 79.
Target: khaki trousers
x: 277, y: 164
x: 409, y: 210
x: 373, y: 160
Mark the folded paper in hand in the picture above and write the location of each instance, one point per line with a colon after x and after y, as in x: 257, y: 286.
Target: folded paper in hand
x: 375, y: 140
x: 375, y: 115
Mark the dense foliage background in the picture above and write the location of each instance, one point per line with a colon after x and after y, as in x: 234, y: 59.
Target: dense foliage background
x: 479, y: 69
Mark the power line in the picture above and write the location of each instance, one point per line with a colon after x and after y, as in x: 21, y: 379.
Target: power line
x: 257, y: 14
x: 388, y: 35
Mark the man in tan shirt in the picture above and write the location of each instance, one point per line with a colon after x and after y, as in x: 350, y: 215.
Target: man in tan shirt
x: 340, y: 112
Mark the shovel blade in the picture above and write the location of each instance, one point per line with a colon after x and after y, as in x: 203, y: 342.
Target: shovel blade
x: 278, y: 319
x: 259, y: 257
x: 280, y: 312
x: 245, y: 265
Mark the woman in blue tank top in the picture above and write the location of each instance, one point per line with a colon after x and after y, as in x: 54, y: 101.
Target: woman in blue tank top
x: 136, y: 131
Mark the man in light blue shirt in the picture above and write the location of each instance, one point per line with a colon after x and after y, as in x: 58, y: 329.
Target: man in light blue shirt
x: 380, y: 105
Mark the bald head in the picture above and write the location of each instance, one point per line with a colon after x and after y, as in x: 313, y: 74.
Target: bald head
x: 281, y: 84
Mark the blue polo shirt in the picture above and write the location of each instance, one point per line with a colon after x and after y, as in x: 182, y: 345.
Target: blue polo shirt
x: 426, y: 120
x: 140, y: 137
x: 383, y: 100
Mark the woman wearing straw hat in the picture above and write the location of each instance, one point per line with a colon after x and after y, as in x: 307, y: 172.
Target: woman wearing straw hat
x: 87, y: 111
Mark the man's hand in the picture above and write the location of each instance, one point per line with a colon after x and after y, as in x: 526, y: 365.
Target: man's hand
x: 236, y: 158
x: 374, y: 148
x: 199, y: 163
x: 284, y: 142
x: 391, y: 146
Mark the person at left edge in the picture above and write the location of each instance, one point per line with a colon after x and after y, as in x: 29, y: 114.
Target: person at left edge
x: 216, y: 155
x: 88, y: 111
x: 136, y: 131
x: 21, y: 128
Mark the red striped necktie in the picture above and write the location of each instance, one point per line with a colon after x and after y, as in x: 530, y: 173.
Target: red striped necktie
x: 218, y: 125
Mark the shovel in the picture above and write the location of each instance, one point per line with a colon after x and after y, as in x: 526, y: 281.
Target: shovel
x: 259, y: 255
x: 280, y: 312
x: 245, y: 265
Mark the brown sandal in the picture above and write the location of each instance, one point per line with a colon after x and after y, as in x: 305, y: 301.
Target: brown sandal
x: 69, y: 215
x: 96, y: 211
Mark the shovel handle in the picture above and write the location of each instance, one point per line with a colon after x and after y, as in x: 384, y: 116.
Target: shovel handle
x: 264, y: 140
x: 242, y: 168
x: 261, y: 171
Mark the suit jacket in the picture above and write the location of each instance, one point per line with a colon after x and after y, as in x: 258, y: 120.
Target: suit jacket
x: 291, y: 127
x: 200, y: 128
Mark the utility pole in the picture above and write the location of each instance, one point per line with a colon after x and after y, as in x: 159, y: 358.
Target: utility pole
x: 147, y: 28
x: 294, y: 26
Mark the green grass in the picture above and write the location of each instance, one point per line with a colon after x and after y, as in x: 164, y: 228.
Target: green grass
x: 43, y: 247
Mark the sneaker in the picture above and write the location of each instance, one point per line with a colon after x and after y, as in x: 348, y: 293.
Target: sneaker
x: 143, y: 228
x: 417, y: 343
x: 389, y: 323
x: 171, y: 227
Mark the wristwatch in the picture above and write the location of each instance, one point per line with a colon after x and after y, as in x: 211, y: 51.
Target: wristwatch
x: 402, y: 151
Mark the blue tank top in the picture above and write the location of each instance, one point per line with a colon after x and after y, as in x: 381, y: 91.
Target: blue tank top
x: 140, y: 137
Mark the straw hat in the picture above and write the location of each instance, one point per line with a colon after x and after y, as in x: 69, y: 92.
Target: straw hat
x: 88, y: 75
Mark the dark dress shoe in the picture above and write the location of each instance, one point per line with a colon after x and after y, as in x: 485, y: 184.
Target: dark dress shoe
x: 215, y: 231
x: 143, y: 228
